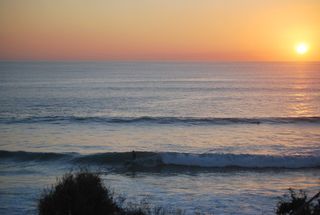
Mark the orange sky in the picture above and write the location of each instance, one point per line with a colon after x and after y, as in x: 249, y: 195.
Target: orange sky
x: 220, y: 30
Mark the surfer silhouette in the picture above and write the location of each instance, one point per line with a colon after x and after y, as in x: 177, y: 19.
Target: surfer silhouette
x: 134, y: 156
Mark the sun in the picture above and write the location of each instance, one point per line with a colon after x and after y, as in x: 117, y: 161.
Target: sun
x: 302, y: 48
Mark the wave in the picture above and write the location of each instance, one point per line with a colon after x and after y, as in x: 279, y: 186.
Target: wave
x: 31, y: 156
x: 162, y: 120
x: 154, y: 159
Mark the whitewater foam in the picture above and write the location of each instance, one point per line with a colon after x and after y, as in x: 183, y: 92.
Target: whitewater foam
x: 240, y: 160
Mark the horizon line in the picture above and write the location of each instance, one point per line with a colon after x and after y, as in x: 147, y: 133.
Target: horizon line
x: 154, y: 61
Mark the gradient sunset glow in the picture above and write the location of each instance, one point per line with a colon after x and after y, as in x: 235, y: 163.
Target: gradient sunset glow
x: 236, y: 30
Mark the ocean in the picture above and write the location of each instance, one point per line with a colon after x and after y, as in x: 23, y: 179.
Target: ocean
x: 222, y: 138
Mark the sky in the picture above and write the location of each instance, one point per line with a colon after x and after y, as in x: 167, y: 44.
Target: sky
x: 192, y: 30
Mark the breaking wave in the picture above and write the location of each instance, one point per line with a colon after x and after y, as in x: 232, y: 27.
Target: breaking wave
x: 153, y: 159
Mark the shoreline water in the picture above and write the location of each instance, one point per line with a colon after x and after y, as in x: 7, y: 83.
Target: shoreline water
x: 217, y: 191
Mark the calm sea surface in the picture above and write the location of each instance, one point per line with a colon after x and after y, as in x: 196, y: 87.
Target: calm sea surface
x: 223, y: 138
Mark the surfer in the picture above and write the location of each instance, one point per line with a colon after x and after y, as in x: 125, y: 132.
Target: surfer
x: 134, y: 156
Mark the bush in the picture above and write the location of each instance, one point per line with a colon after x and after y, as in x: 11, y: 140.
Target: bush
x: 79, y: 193
x: 296, y: 204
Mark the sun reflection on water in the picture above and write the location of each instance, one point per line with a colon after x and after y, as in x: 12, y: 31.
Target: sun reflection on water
x: 301, y: 104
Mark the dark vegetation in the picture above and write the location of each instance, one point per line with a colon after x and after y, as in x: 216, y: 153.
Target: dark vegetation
x: 298, y: 203
x: 83, y: 193
x: 78, y: 193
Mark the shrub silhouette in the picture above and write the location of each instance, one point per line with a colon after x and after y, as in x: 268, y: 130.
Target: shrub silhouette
x: 296, y: 204
x: 81, y: 193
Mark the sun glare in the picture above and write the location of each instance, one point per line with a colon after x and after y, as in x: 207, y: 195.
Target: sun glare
x: 302, y: 48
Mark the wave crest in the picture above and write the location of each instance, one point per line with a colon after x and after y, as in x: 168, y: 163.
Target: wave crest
x: 163, y: 120
x: 153, y: 159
